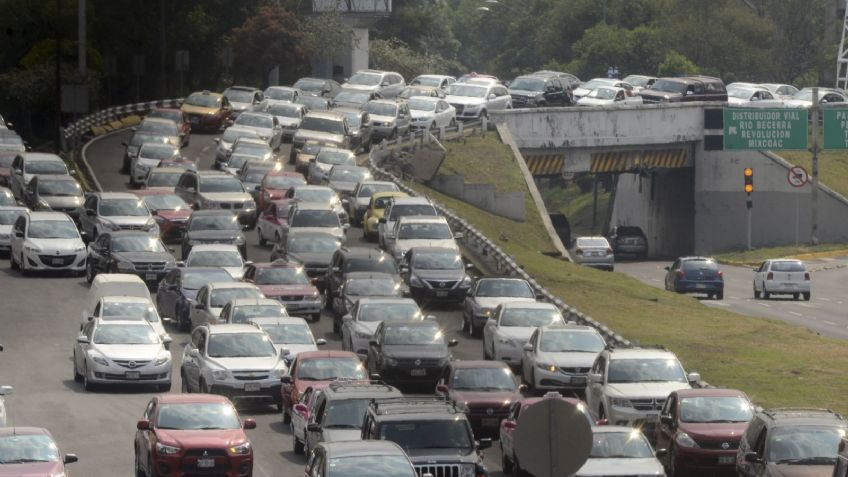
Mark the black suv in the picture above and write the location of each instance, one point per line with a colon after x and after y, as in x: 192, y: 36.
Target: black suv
x: 339, y: 410
x: 790, y: 442
x: 213, y: 226
x: 538, y: 91
x: 685, y: 89
x: 435, y: 434
x: 133, y: 252
x: 628, y: 240
x: 356, y: 259
x: 409, y: 351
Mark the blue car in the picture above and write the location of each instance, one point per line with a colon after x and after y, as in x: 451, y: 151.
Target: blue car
x: 695, y: 275
x: 180, y: 287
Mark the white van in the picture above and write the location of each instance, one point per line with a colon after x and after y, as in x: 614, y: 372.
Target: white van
x: 137, y: 308
x: 112, y: 284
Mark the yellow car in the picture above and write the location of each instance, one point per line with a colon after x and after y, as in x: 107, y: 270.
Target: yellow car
x: 207, y: 110
x: 376, y: 209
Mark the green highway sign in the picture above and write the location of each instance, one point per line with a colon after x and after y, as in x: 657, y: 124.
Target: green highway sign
x: 835, y: 128
x: 759, y: 128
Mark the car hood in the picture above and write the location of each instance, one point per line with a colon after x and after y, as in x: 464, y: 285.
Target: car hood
x: 440, y: 274
x: 303, y: 135
x: 519, y: 333
x: 227, y: 196
x: 786, y: 470
x: 214, y: 234
x: 57, y: 244
x: 32, y: 469
x: 569, y: 359
x: 494, y: 301
x: 421, y: 114
x: 202, y: 439
x: 486, y: 398
x: 335, y: 435
x: 660, y: 94
x: 342, y: 186
x: 464, y: 100
x: 610, y: 467
x: 312, y: 258
x: 644, y: 390
x: 438, y: 456
x: 416, y: 351
x: 239, y: 106
x: 61, y: 200
x: 379, y: 118
x: 295, y: 349
x: 174, y: 214
x: 731, y: 431
x: 263, y: 363
x: 360, y: 87
x: 585, y: 101
x: 335, y: 231
x: 277, y: 290
x: 406, y: 244
x: 581, y: 91
x: 144, y: 256
x: 235, y: 272
x: 191, y: 109
x: 797, y: 103
x: 367, y: 326
x: 128, y: 219
x: 135, y: 352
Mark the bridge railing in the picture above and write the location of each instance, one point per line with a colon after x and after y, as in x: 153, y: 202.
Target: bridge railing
x: 109, y: 119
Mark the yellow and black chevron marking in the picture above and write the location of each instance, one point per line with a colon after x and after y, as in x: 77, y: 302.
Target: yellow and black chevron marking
x: 545, y: 164
x: 629, y: 160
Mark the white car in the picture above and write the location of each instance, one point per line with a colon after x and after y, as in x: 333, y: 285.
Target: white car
x: 326, y: 158
x: 113, y: 211
x: 46, y: 241
x: 288, y: 116
x: 387, y: 83
x: 281, y: 94
x: 780, y: 91
x: 365, y: 316
x: 559, y: 357
x: 238, y: 361
x: 244, y: 310
x: 314, y: 217
x: 290, y: 334
x: 512, y: 324
x: 618, y: 450
x: 437, y: 81
x: 742, y: 95
x: 431, y: 113
x: 628, y: 387
x: 26, y: 166
x: 225, y: 256
x: 225, y: 143
x: 420, y: 231
x: 8, y: 216
x: 212, y: 297
x: 134, y: 308
x: 782, y: 277
x: 400, y: 207
x: 265, y: 125
x: 474, y: 101
x: 486, y: 295
x: 589, y: 86
x: 149, y: 156
x: 122, y: 352
x: 804, y: 98
x: 640, y: 82
x: 603, y: 96
x: 322, y: 194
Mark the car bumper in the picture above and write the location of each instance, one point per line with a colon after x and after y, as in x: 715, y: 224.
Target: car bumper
x: 777, y: 287
x: 507, y: 354
x: 74, y: 261
x: 691, y: 286
x: 187, y: 465
x: 405, y: 373
x: 114, y: 374
x: 631, y: 249
x: 206, y: 121
x: 302, y: 307
x: 595, y: 262
x: 436, y: 294
x: 695, y: 461
x: 269, y: 391
x: 552, y: 380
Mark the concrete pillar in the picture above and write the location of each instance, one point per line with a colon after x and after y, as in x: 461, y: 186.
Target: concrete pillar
x: 359, y: 50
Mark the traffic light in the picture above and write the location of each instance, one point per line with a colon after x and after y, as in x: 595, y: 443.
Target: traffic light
x: 749, y: 179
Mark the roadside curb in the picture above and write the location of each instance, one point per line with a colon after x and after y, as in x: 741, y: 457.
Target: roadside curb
x: 84, y: 156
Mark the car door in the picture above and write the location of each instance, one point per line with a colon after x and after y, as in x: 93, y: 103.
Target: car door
x: 758, y: 277
x: 98, y: 253
x: 504, y: 99
x: 372, y: 362
x: 166, y: 294
x: 313, y: 438
x: 224, y: 316
x: 80, y: 348
x: 298, y: 420
x: 145, y: 438
x: 197, y: 307
x: 87, y: 215
x: 528, y: 357
x: 665, y: 429
x: 191, y: 364
x: 288, y: 387
x: 347, y: 327
x: 336, y: 272
x: 595, y: 387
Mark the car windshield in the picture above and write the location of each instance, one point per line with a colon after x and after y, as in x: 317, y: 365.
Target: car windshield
x: 505, y: 288
x: 354, y: 120
x: 24, y: 448
x: 404, y: 210
x: 231, y: 134
x: 194, y: 280
x: 165, y: 202
x: 424, y: 231
x: 220, y: 184
x: 382, y: 109
x: 430, y: 434
x: 467, y: 90
x: 690, y: 265
x: 328, y: 369
x: 740, y: 93
x: 804, y: 444
x: 255, y: 121
x: 240, y: 345
x: 335, y: 157
x: 140, y: 138
x: 281, y: 276
x: 315, y: 218
x: 447, y: 260
x: 284, y: 110
x: 251, y: 149
x: 372, y: 287
x: 137, y: 243
x: 645, y: 370
x: 352, y: 97
x: 312, y: 244
x: 125, y: 334
x: 45, y: 167
x: 388, y: 311
x: 327, y: 125
x: 283, y: 182
x: 637, y: 81
x: 514, y: 316
x: 204, y: 100
x: 602, y: 93
x: 255, y: 175
x: 484, y: 379
x: 239, y: 96
x: 349, y: 174
x: 324, y: 194
x: 427, y: 81
x: 367, y: 190
x: 346, y: 414
x: 219, y: 297
x: 365, y: 79
x: 173, y: 115
x: 161, y: 128
x: 8, y: 217
x: 787, y: 266
x: 214, y: 258
x: 289, y: 333
x: 715, y: 409
x: 421, y: 104
x: 312, y: 148
x: 52, y: 229
x: 369, y: 466
x: 123, y: 207
x: 158, y: 151
x: 243, y: 313
x: 567, y: 341
x: 7, y: 198
x: 279, y: 94
x: 129, y: 309
x: 163, y: 179
x: 309, y: 84
x: 427, y: 334
x: 598, y: 242
x: 526, y: 83
x: 197, y: 416
x: 59, y: 188
x: 620, y: 445
x: 669, y: 86
x: 381, y: 264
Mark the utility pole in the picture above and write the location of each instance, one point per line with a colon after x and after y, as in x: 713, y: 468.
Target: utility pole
x: 814, y: 197
x: 58, y: 73
x: 81, y: 36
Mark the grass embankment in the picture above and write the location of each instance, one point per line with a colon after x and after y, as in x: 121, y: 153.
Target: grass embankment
x: 577, y: 206
x: 801, y: 252
x: 833, y: 167
x: 483, y: 159
x: 775, y: 363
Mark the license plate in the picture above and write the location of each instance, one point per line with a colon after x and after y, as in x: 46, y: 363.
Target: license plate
x: 251, y: 387
x: 726, y: 460
x: 441, y: 294
x: 578, y: 380
x: 701, y: 285
x: 195, y: 120
x: 57, y: 261
x: 205, y: 463
x: 489, y: 422
x: 150, y: 276
x: 418, y: 372
x: 133, y: 374
x: 787, y: 285
x: 652, y: 418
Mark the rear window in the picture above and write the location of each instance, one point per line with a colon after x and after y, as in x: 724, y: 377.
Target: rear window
x: 700, y: 265
x: 787, y: 267
x: 630, y: 231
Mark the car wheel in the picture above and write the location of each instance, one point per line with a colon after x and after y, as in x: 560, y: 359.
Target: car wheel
x: 77, y: 375
x: 184, y: 384
x: 203, y: 387
x: 720, y: 295
x: 262, y: 241
x: 795, y: 296
x: 474, y: 331
x: 807, y: 296
x: 86, y: 384
x: 766, y: 294
x: 756, y: 294
x: 89, y: 272
x: 316, y: 317
x: 506, y: 465
x: 710, y: 296
x: 297, y: 446
x: 336, y: 327
x: 164, y: 388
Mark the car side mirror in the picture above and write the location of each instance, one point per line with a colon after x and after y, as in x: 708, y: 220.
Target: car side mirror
x: 667, y: 420
x: 346, y: 227
x: 286, y: 380
x: 667, y: 268
x: 320, y: 342
x: 82, y: 339
x: 528, y: 347
x: 384, y: 84
x: 452, y: 343
x: 753, y: 458
x: 249, y: 424
x: 374, y: 343
x: 459, y: 236
x: 661, y: 452
x: 142, y: 425
x: 442, y: 389
x: 167, y: 340
x: 284, y: 352
x: 484, y: 443
x: 347, y: 318
x: 180, y: 264
x: 693, y: 378
x: 70, y: 458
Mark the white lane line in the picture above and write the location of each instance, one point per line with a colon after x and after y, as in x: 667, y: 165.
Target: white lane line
x: 838, y: 302
x: 814, y: 318
x: 715, y: 303
x: 796, y: 313
x: 807, y: 306
x: 823, y: 298
x: 205, y: 148
x: 655, y: 279
x: 829, y: 323
x: 763, y: 304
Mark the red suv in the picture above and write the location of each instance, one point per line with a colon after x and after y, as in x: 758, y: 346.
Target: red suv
x: 701, y: 429
x: 275, y: 185
x: 192, y: 434
x: 311, y: 368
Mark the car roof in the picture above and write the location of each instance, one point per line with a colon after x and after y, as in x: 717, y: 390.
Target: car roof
x: 386, y: 300
x: 173, y: 398
x: 127, y: 322
x: 412, y: 200
x: 253, y: 301
x: 390, y: 102
x: 212, y: 212
x: 529, y: 304
x: 326, y: 354
x: 368, y: 275
x: 710, y: 392
x: 55, y: 177
x: 129, y: 233
x: 311, y: 233
x: 284, y: 173
x: 616, y: 429
x: 568, y: 327
x: 219, y: 285
x: 341, y: 449
x: 428, y: 219
x: 695, y: 258
x: 125, y: 299
x: 115, y: 195
x: 391, y: 193
x: 183, y: 270
x: 277, y: 264
x: 360, y: 390
x: 421, y: 323
x: 361, y: 251
x: 251, y: 140
x: 229, y: 328
x: 214, y: 247
x: 13, y: 207
x: 243, y: 88
x: 478, y: 363
x: 435, y: 250
x: 43, y: 215
x: 805, y: 416
x: 158, y: 120
x: 117, y: 278
x: 210, y: 173
x: 166, y: 169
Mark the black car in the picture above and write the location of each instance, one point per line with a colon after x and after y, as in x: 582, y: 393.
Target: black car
x: 356, y: 259
x: 436, y: 274
x: 313, y: 250
x: 409, y: 351
x: 178, y: 289
x: 129, y: 252
x: 537, y: 91
x: 363, y: 285
x: 628, y: 240
x: 211, y: 227
x: 695, y: 275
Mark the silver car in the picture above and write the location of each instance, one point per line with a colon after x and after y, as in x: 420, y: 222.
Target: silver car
x: 212, y: 298
x: 388, y: 118
x: 387, y: 83
x: 227, y: 140
x: 8, y: 216
x: 560, y: 357
x: 288, y: 116
x: 619, y: 450
x: 360, y: 198
x: 113, y: 211
x: 265, y: 125
x: 593, y: 252
x: 122, y: 352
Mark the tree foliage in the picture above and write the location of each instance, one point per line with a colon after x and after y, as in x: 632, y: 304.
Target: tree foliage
x: 269, y: 38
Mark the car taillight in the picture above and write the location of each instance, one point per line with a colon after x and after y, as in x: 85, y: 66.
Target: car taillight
x: 609, y: 250
x: 720, y: 274
x: 579, y: 251
x: 770, y: 276
x: 680, y: 274
x: 806, y: 275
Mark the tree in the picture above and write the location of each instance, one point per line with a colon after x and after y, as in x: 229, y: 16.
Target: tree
x: 395, y: 55
x: 269, y: 38
x: 676, y: 64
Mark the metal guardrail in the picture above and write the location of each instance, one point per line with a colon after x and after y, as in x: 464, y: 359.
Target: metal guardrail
x: 78, y: 131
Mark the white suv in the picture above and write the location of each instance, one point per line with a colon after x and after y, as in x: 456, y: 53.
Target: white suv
x: 237, y: 361
x: 45, y: 241
x: 628, y: 387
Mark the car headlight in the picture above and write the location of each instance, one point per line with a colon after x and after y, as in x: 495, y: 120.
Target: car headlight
x: 250, y: 205
x: 620, y: 402
x: 125, y: 267
x: 166, y: 449
x: 467, y: 470
x: 162, y: 360
x: 279, y: 372
x: 43, y: 204
x: 506, y: 341
x: 151, y: 224
x: 239, y: 240
x: 685, y: 440
x: 363, y: 335
x: 32, y: 248
x: 242, y: 449
x: 487, y: 312
x: 547, y: 367
x: 219, y: 374
x: 391, y: 361
x: 109, y: 224
x: 79, y: 249
x: 415, y: 281
x: 99, y: 360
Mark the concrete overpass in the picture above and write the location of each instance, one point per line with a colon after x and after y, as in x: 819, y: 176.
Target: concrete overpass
x: 673, y: 179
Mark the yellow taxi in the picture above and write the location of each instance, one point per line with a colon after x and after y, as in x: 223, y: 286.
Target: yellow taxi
x: 376, y: 209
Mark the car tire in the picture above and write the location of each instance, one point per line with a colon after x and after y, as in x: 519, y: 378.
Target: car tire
x: 184, y: 388
x: 77, y: 375
x: 795, y: 296
x: 474, y: 331
x: 671, y: 468
x: 807, y: 296
x: 164, y: 388
x: 89, y: 272
x: 720, y: 295
x: 276, y: 238
x: 336, y: 327
x: 297, y: 446
x: 766, y: 295
x: 262, y: 241
x: 756, y: 294
x: 506, y: 464
x: 86, y: 384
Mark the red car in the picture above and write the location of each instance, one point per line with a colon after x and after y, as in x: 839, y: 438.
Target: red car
x: 169, y: 210
x: 287, y: 282
x: 701, y: 429
x: 486, y: 389
x: 192, y: 434
x: 30, y: 451
x: 275, y: 185
x: 177, y: 116
x: 311, y: 368
x: 6, y: 158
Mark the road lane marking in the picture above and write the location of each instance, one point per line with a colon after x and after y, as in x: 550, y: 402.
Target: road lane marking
x: 763, y: 304
x: 829, y: 323
x: 655, y: 279
x: 205, y: 148
x: 807, y: 306
x: 796, y: 313
x: 823, y: 298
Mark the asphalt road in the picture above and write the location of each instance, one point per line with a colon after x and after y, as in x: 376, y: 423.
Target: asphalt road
x: 824, y: 313
x: 40, y: 317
